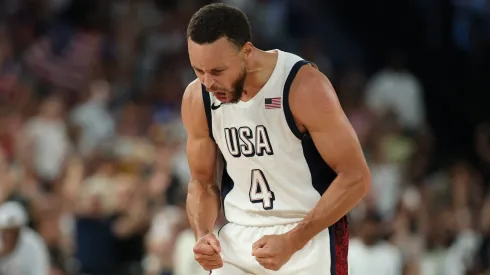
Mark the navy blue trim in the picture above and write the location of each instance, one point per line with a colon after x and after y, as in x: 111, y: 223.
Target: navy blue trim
x: 207, y: 109
x: 287, y: 86
x: 322, y: 175
x: 333, y: 264
x: 219, y: 230
x: 227, y: 185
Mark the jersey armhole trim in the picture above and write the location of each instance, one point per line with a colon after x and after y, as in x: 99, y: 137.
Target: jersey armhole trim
x: 207, y: 109
x: 287, y: 110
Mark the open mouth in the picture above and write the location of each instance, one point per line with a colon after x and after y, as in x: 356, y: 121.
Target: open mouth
x: 220, y: 95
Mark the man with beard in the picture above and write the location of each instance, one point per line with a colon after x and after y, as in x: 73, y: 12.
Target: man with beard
x: 293, y: 166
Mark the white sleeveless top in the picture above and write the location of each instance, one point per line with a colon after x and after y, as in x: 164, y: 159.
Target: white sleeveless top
x: 273, y: 173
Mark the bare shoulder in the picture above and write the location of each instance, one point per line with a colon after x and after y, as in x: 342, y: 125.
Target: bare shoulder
x: 316, y: 108
x: 193, y: 113
x: 313, y: 89
x: 201, y: 149
x: 192, y: 94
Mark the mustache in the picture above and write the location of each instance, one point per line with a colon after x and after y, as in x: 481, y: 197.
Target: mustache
x: 214, y: 90
x: 217, y: 89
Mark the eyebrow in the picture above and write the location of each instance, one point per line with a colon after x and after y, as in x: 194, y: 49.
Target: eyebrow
x: 214, y: 69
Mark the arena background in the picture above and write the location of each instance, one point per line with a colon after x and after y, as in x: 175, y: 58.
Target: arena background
x: 93, y: 146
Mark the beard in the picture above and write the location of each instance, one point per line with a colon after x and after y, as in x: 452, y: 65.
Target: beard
x: 237, y: 91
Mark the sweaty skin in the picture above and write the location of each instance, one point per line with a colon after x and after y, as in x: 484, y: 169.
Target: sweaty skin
x: 203, y: 199
x: 339, y: 147
x: 335, y: 140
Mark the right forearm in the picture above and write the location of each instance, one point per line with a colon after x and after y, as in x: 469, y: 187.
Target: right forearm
x: 203, y: 205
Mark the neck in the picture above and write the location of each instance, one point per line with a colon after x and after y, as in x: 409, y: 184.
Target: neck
x: 259, y: 69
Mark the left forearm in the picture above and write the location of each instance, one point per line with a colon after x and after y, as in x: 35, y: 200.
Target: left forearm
x: 343, y: 194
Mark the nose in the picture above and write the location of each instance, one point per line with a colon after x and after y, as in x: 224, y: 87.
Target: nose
x: 208, y: 81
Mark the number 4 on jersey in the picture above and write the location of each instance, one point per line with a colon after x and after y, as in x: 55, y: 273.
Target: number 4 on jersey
x: 260, y: 191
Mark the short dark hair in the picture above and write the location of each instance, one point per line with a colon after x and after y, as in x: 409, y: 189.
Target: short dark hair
x: 218, y: 20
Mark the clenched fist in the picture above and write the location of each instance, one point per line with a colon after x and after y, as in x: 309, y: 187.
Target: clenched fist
x: 272, y: 251
x: 206, y: 252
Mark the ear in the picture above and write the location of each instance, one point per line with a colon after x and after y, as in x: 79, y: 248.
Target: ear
x: 247, y: 49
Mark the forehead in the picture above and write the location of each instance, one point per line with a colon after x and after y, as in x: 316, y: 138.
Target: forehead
x: 212, y: 55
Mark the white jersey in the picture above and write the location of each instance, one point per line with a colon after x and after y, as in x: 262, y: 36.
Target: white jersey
x: 30, y: 257
x: 273, y: 173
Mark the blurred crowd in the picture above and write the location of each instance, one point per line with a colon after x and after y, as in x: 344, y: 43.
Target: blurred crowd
x: 93, y: 148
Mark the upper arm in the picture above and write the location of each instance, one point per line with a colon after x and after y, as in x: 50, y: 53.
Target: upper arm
x: 201, y: 149
x: 325, y: 121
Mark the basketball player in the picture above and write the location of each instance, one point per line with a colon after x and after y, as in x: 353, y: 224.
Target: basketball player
x: 293, y: 166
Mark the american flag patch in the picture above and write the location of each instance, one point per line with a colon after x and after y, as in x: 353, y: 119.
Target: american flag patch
x: 273, y: 103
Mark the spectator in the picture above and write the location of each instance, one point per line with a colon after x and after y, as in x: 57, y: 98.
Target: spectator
x: 22, y: 250
x: 93, y: 119
x: 397, y: 90
x: 368, y: 254
x: 45, y: 143
x: 95, y: 205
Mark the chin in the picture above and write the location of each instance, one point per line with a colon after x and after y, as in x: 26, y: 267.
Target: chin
x: 233, y: 101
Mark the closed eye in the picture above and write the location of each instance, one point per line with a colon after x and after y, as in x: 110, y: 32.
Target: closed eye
x: 217, y: 71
